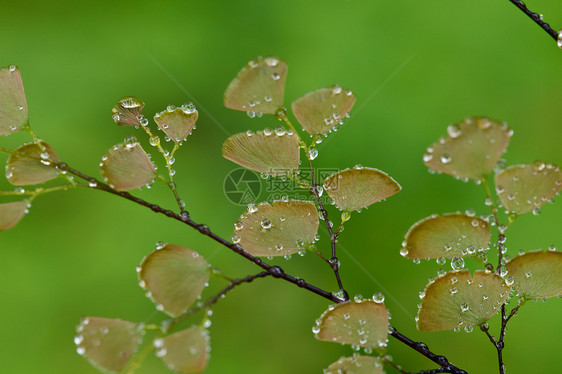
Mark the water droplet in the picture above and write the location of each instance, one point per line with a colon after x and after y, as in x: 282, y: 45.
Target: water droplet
x: 341, y: 294
x: 453, y: 131
x: 275, y: 76
x: 445, y: 158
x: 336, y: 89
x: 280, y: 131
x: 235, y: 238
x: 404, y: 252
x: 457, y: 263
x: 266, y: 223
x: 378, y: 297
x: 312, y: 153
x: 252, y: 208
x: 271, y: 61
x: 503, y: 271
x: 427, y: 157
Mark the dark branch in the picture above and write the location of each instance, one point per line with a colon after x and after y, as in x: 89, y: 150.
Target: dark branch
x: 424, y: 350
x: 535, y: 17
x: 274, y: 271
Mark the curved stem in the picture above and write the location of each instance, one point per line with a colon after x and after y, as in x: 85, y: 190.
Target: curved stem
x: 535, y: 17
x: 334, y: 261
x: 40, y: 191
x: 139, y: 358
x: 169, y: 159
x: 497, y: 222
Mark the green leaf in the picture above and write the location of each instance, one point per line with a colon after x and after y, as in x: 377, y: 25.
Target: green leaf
x: 107, y: 343
x: 357, y: 188
x: 472, y: 149
x: 537, y: 274
x: 283, y: 228
x: 127, y: 166
x: 447, y: 236
x: 13, y: 105
x: 174, y: 276
x: 356, y: 365
x: 128, y: 112
x: 322, y: 110
x: 524, y: 188
x: 259, y: 86
x: 12, y: 213
x: 361, y: 323
x: 177, y: 123
x: 457, y: 300
x: 30, y: 164
x: 273, y: 153
x: 186, y: 351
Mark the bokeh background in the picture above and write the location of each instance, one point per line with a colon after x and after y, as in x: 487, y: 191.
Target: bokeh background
x: 415, y: 67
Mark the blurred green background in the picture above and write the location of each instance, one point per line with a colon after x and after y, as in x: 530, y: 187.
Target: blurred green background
x: 415, y: 67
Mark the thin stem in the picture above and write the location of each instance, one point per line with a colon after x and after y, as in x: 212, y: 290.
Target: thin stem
x: 388, y: 362
x: 137, y: 361
x: 501, y: 237
x: 334, y: 261
x: 535, y: 17
x: 274, y: 271
x: 490, y: 337
x: 281, y: 115
x: 514, y: 311
x: 217, y: 297
x: 217, y: 274
x: 168, y: 158
x: 500, y: 343
x: 40, y: 190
